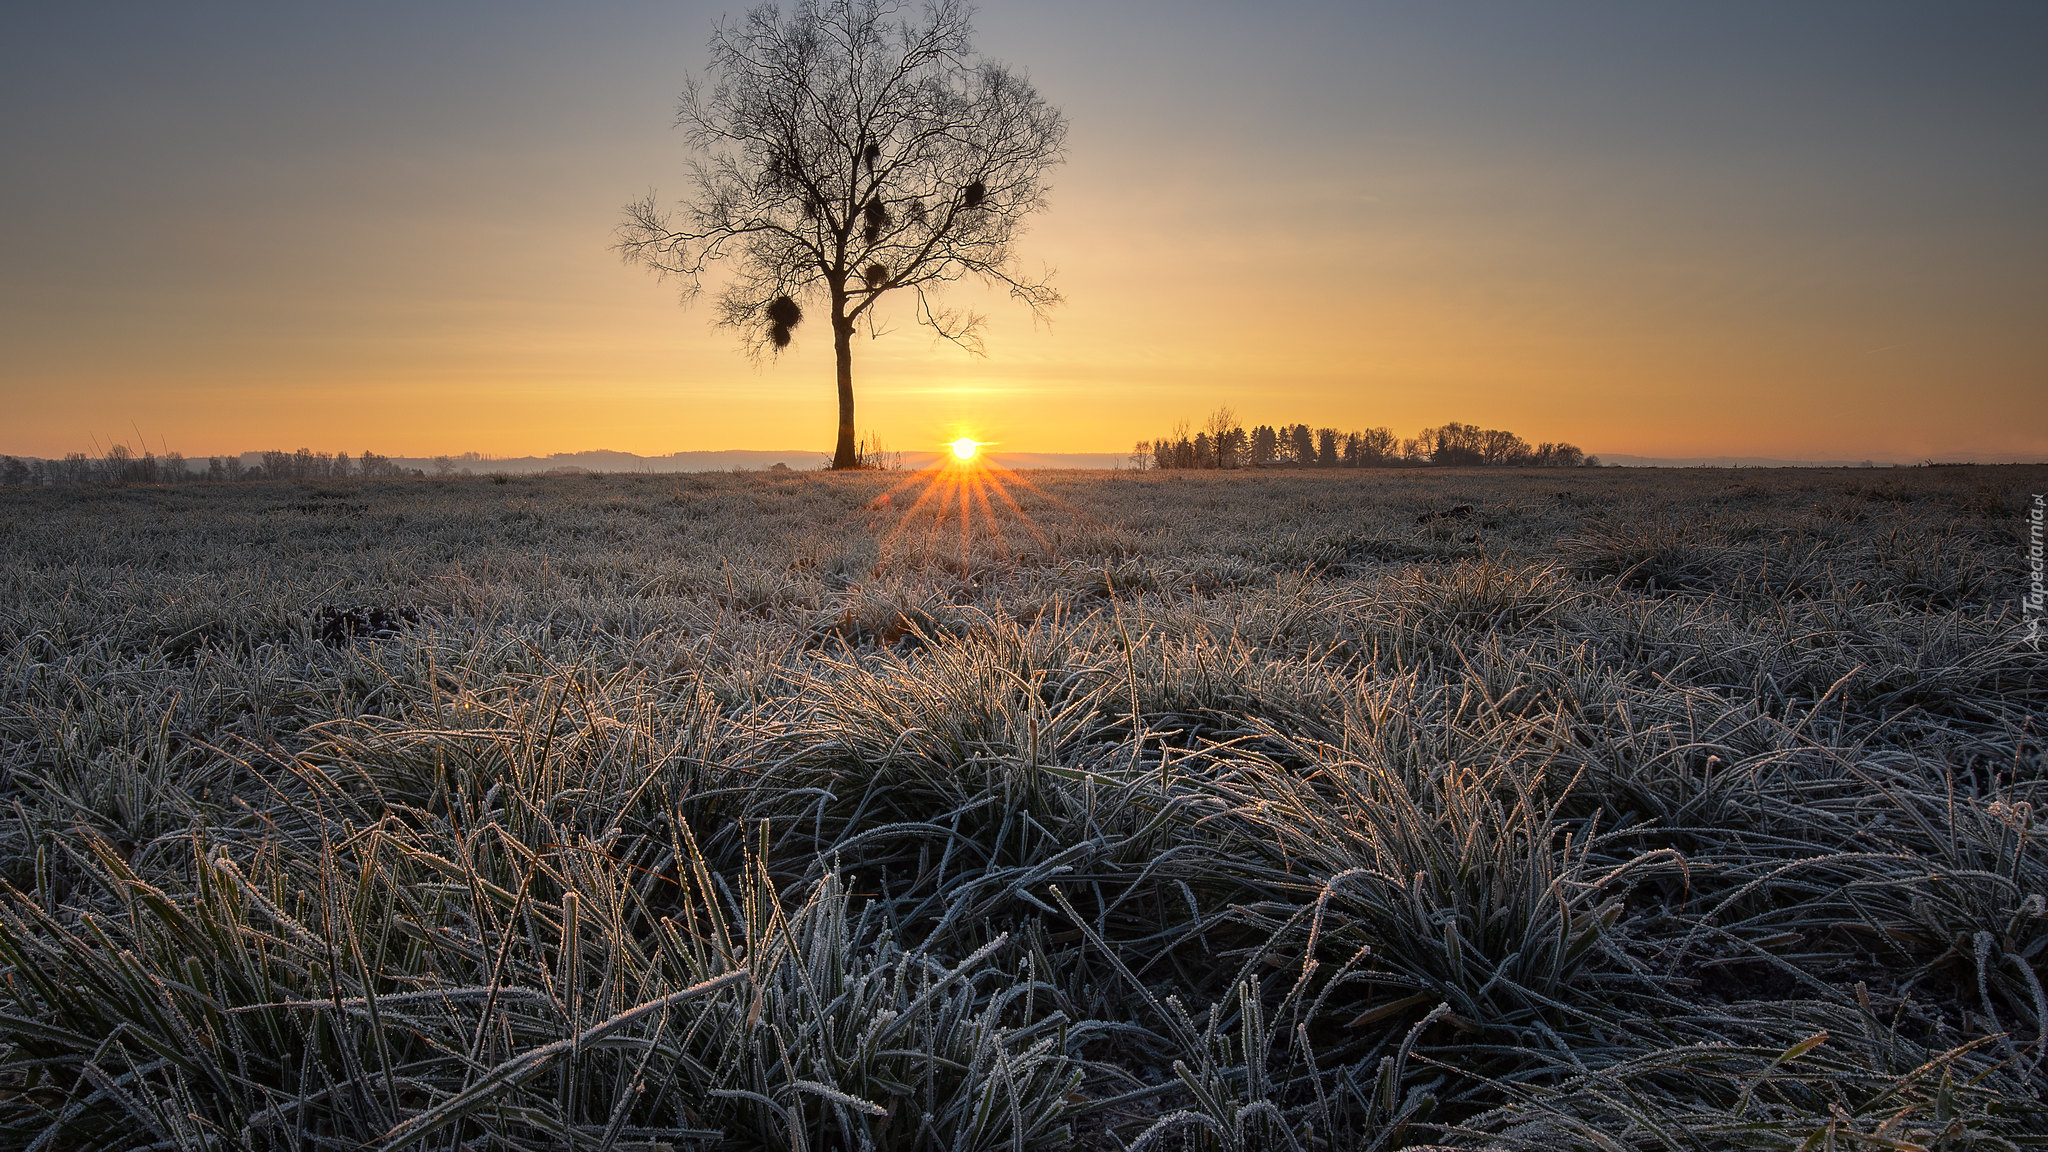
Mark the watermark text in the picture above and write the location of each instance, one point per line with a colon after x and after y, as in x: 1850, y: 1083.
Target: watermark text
x: 2031, y: 603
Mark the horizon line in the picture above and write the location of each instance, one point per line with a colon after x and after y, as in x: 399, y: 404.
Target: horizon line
x: 1097, y: 460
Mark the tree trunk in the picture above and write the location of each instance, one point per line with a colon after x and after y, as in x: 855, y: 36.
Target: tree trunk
x: 844, y: 456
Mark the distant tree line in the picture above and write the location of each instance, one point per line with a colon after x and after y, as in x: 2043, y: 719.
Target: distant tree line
x: 1222, y: 442
x: 123, y: 465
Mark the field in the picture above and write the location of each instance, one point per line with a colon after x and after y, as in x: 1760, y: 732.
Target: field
x: 1616, y: 810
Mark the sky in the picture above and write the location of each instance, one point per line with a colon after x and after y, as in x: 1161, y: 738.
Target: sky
x: 1812, y: 230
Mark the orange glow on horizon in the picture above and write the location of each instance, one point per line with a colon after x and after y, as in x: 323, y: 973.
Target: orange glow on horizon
x: 1401, y: 218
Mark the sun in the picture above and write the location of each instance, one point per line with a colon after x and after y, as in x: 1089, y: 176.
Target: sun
x: 964, y: 496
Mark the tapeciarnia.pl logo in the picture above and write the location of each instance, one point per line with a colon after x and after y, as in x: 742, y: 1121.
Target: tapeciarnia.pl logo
x: 2031, y: 603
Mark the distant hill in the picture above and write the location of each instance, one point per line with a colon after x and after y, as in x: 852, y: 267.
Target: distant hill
x: 751, y: 459
x: 606, y: 460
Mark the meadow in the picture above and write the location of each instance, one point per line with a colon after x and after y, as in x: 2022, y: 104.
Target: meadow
x: 1358, y: 809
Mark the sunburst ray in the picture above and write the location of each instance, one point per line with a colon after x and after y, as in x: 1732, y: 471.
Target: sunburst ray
x: 964, y: 498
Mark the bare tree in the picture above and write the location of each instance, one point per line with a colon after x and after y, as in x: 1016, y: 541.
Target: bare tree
x: 1498, y: 446
x: 1226, y: 437
x: 1378, y: 445
x: 847, y: 151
